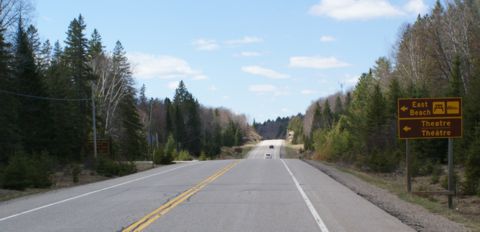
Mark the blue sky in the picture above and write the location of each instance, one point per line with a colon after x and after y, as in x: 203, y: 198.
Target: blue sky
x: 261, y: 58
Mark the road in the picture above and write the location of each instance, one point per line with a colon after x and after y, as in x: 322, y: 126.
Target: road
x: 253, y: 194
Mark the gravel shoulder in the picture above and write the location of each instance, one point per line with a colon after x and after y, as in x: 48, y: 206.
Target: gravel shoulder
x: 412, y: 215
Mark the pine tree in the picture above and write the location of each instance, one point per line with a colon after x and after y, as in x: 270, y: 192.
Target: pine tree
x: 394, y: 92
x: 169, y: 127
x: 142, y: 100
x: 8, y: 111
x: 375, y: 118
x: 64, y: 129
x: 34, y: 117
x: 95, y: 46
x: 456, y: 85
x: 132, y: 142
x: 327, y: 115
x: 338, y: 107
x: 76, y: 64
x: 317, y: 122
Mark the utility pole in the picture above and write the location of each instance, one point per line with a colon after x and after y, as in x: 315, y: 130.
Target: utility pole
x: 94, y: 123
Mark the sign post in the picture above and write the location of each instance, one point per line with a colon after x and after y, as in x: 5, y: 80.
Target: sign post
x: 428, y: 118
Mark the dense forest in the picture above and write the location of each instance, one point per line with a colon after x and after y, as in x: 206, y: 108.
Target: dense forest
x: 272, y: 129
x: 436, y: 56
x: 47, y: 94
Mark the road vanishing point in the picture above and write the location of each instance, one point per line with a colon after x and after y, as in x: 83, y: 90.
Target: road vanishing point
x: 253, y: 194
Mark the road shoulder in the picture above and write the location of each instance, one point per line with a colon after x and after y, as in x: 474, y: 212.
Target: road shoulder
x: 413, y: 215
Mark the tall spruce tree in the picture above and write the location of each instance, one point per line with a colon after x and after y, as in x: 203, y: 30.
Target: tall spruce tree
x: 132, y: 142
x: 64, y: 128
x: 327, y: 115
x: 76, y: 61
x: 33, y: 115
x: 8, y: 111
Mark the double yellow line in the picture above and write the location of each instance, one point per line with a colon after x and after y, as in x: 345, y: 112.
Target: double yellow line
x: 144, y: 222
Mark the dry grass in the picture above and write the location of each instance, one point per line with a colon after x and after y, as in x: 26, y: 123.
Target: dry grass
x: 466, y: 208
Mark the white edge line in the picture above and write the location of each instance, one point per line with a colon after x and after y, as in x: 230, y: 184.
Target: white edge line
x: 309, y: 204
x: 90, y: 193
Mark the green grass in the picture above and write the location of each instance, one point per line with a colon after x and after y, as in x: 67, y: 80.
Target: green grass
x: 399, y: 190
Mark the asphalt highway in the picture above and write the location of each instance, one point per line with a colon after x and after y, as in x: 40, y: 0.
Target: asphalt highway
x: 254, y: 194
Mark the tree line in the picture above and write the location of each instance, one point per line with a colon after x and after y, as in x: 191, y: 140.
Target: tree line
x: 47, y: 93
x: 436, y: 56
x: 182, y: 128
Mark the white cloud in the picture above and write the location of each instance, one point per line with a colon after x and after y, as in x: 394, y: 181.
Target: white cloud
x: 244, y: 40
x: 416, y: 7
x: 249, y: 54
x: 265, y: 72
x: 316, y: 62
x: 327, y: 38
x: 355, y: 9
x: 213, y: 88
x: 308, y: 92
x: 205, y: 44
x: 262, y: 88
x: 199, y: 77
x: 268, y: 89
x: 148, y: 66
x: 173, y: 84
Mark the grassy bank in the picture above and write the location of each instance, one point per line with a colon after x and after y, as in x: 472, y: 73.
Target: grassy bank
x: 466, y: 208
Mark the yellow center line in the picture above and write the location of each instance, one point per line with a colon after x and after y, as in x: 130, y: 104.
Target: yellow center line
x: 144, y: 222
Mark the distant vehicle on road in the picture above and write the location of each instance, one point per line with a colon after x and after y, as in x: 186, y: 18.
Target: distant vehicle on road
x: 268, y: 156
x: 271, y: 146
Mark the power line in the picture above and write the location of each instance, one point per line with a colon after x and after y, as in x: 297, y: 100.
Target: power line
x: 44, y: 98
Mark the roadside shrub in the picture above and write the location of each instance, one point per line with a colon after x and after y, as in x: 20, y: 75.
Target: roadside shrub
x: 109, y: 168
x: 160, y: 157
x: 41, y: 170
x: 126, y: 168
x: 76, y: 170
x: 383, y: 161
x: 184, y: 155
x: 203, y: 156
x: 16, y: 173
x: 25, y: 171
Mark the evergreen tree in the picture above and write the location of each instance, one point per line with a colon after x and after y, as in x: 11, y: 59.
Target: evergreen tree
x: 317, y: 118
x: 327, y: 115
x: 394, y: 92
x: 338, y: 107
x: 456, y: 85
x: 8, y: 112
x: 375, y: 119
x: 132, y: 142
x: 64, y: 129
x: 142, y: 100
x: 76, y: 63
x: 170, y: 149
x: 34, y: 117
x: 95, y: 46
x: 169, y: 127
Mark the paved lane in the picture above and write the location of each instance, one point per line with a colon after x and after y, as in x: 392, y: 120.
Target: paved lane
x: 254, y: 194
x: 107, y: 210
